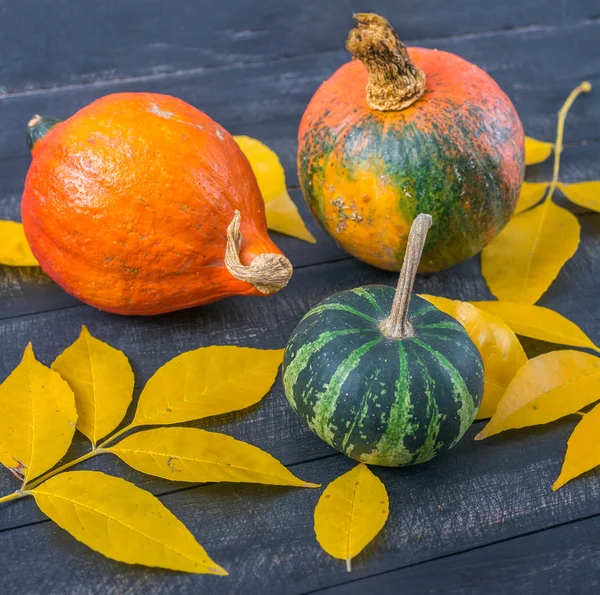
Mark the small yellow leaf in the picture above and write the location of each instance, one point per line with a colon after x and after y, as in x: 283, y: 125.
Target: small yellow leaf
x: 190, y: 454
x: 102, y: 380
x: 522, y: 261
x: 207, y: 381
x: 539, y: 323
x: 536, y: 151
x: 500, y: 349
x: 121, y: 521
x: 584, y: 194
x: 531, y: 194
x: 282, y: 214
x: 583, y: 451
x: 350, y: 513
x: 37, y: 417
x: 547, y: 388
x: 14, y: 249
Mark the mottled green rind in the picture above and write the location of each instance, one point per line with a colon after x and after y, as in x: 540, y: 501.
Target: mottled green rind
x: 380, y: 401
x: 463, y: 187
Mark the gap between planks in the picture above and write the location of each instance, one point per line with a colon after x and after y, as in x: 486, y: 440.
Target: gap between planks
x: 457, y: 553
x: 186, y: 488
x: 83, y: 305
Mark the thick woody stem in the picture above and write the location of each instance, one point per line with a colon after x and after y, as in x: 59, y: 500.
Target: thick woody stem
x: 267, y: 272
x: 398, y: 326
x: 395, y: 81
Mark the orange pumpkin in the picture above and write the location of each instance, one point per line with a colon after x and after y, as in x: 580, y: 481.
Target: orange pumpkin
x: 141, y: 204
x: 398, y: 132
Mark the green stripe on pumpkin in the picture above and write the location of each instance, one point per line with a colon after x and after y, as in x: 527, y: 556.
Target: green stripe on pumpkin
x: 365, y: 293
x: 326, y: 401
x: 391, y: 446
x: 430, y: 446
x: 467, y: 409
x: 295, y: 367
x: 452, y: 326
x: 333, y: 306
x: 423, y: 311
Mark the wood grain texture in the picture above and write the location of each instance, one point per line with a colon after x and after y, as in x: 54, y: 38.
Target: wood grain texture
x: 266, y: 323
x: 481, y: 518
x: 478, y: 494
x: 563, y: 559
x: 244, y: 98
x: 132, y: 38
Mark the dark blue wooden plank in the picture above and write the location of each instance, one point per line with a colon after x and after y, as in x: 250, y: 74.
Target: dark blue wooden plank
x: 478, y: 494
x: 564, y: 559
x: 268, y: 322
x: 267, y: 101
x: 64, y: 42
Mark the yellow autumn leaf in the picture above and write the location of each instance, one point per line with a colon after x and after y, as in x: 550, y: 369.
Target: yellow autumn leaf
x: 500, y: 349
x: 37, y: 417
x: 539, y: 323
x: 14, y: 249
x: 282, y: 214
x: 531, y: 194
x: 536, y: 151
x: 350, y: 513
x: 207, y: 381
x: 583, y: 450
x: 547, y: 388
x: 102, y: 380
x: 190, y: 454
x: 121, y: 521
x: 584, y: 194
x: 522, y: 261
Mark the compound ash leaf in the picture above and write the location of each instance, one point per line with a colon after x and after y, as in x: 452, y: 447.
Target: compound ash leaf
x: 583, y: 450
x: 121, y: 521
x: 522, y: 261
x: 531, y: 194
x: 37, y: 417
x: 350, y: 513
x: 536, y: 151
x: 282, y: 214
x: 205, y: 382
x: 102, y: 380
x: 500, y: 349
x: 14, y: 249
x: 584, y: 194
x: 539, y: 323
x: 547, y: 388
x: 190, y: 454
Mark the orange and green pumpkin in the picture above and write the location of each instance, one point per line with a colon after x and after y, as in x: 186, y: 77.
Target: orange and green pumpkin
x: 397, y: 132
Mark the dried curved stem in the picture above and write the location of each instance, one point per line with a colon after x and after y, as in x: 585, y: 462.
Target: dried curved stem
x: 398, y: 326
x: 267, y: 272
x: 395, y: 81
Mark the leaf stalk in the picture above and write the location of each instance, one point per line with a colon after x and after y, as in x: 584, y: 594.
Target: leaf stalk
x: 584, y: 87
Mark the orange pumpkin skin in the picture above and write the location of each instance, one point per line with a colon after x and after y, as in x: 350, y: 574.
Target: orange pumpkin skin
x: 127, y: 203
x: 456, y: 153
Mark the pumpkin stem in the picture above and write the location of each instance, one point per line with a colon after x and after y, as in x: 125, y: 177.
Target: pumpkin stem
x: 267, y: 272
x: 398, y: 326
x: 395, y: 81
x: 38, y: 127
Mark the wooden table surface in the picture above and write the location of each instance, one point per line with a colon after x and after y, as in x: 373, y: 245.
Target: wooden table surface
x: 482, y: 519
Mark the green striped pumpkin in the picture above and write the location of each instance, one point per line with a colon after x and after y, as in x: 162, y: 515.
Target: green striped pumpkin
x: 378, y: 400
